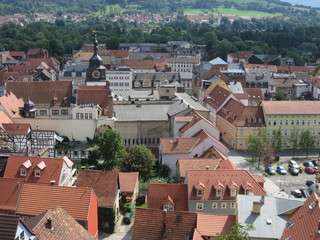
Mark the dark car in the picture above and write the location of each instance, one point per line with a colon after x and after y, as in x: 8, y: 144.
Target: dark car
x: 270, y: 170
x: 127, y: 218
x: 310, y: 182
x: 296, y: 193
x: 310, y: 170
x: 294, y: 171
x: 308, y: 164
x: 281, y: 170
x: 314, y: 162
x: 304, y: 192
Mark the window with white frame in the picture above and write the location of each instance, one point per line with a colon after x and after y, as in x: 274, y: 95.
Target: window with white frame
x: 168, y: 207
x: 199, y: 192
x: 214, y: 205
x: 232, y: 205
x: 248, y: 191
x: 23, y: 172
x: 37, y: 173
x: 199, y: 206
x: 223, y: 205
x: 233, y: 192
x: 219, y: 192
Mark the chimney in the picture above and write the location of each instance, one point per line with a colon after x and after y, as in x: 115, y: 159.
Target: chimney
x: 52, y: 182
x: 256, y: 207
x: 49, y: 224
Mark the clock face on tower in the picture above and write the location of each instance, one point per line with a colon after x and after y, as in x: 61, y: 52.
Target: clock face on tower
x: 96, y: 74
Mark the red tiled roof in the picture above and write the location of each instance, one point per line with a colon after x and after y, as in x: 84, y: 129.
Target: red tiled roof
x: 217, y: 144
x: 128, y: 181
x: 242, y: 116
x: 214, y: 72
x: 4, y: 118
x: 43, y: 92
x: 104, y: 184
x: 196, y: 235
x: 11, y: 105
x: 226, y: 164
x: 210, y: 225
x: 254, y: 94
x: 213, y: 152
x: 217, y: 97
x: 303, y: 224
x: 64, y: 226
x: 157, y: 224
x: 271, y: 68
x: 119, y: 53
x: 210, y: 177
x: 37, y: 198
x: 10, y: 193
x: 52, y: 170
x: 93, y: 94
x: 16, y: 128
x: 196, y: 164
x: 17, y: 53
x: 291, y: 107
x: 158, y: 192
x: 141, y: 64
x: 178, y: 145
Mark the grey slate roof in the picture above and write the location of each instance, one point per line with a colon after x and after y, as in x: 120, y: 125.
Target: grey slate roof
x: 272, y: 210
x: 190, y: 101
x: 143, y: 112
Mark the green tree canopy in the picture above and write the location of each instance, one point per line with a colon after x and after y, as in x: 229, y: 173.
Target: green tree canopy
x: 139, y: 159
x: 281, y: 96
x: 277, y: 140
x: 111, y: 148
x: 307, y: 142
x: 237, y: 232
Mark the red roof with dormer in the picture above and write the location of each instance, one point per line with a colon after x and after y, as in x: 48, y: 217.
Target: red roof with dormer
x: 222, y: 179
x: 51, y: 169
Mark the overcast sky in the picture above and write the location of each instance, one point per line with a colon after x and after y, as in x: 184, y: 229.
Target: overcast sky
x: 312, y: 3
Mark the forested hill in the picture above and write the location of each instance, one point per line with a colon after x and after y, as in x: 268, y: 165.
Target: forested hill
x: 151, y: 6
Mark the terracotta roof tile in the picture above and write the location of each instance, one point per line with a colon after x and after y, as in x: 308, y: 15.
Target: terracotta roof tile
x: 43, y: 92
x: 214, y: 72
x: 35, y: 199
x: 16, y: 128
x: 51, y: 171
x: 142, y: 64
x: 271, y: 68
x: 11, y: 104
x: 196, y: 235
x: 158, y: 193
x: 94, y: 94
x: 8, y: 226
x: 210, y: 225
x: 303, y: 224
x: 128, y: 181
x: 157, y: 225
x: 196, y: 164
x: 178, y: 145
x: 10, y: 193
x: 242, y: 116
x: 119, y: 53
x: 64, y: 226
x: 217, y: 97
x: 104, y: 184
x: 4, y: 118
x: 291, y: 107
x: 213, y: 152
x: 17, y: 53
x: 254, y: 94
x: 211, y: 177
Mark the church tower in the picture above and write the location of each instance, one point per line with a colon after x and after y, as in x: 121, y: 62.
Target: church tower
x: 96, y: 72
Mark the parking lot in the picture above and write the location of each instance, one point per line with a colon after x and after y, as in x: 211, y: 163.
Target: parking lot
x: 289, y: 182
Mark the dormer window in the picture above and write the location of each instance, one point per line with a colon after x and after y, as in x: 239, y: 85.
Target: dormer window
x: 37, y: 173
x: 233, y: 192
x: 199, y: 192
x: 219, y: 192
x: 248, y: 191
x: 23, y: 171
x: 168, y: 207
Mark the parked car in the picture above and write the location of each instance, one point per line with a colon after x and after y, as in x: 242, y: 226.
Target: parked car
x: 296, y: 193
x: 293, y: 164
x: 310, y: 182
x: 270, y: 170
x: 308, y: 164
x: 294, y: 171
x: 314, y: 162
x: 281, y: 170
x: 310, y: 170
x: 304, y: 192
x: 127, y: 218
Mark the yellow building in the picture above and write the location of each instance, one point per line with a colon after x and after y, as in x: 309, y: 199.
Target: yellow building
x: 237, y: 122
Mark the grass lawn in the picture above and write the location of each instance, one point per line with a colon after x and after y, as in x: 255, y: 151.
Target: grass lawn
x: 230, y: 11
x: 144, y: 205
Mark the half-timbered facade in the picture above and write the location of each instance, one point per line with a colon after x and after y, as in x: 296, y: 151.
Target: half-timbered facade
x: 16, y: 136
x: 41, y: 139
